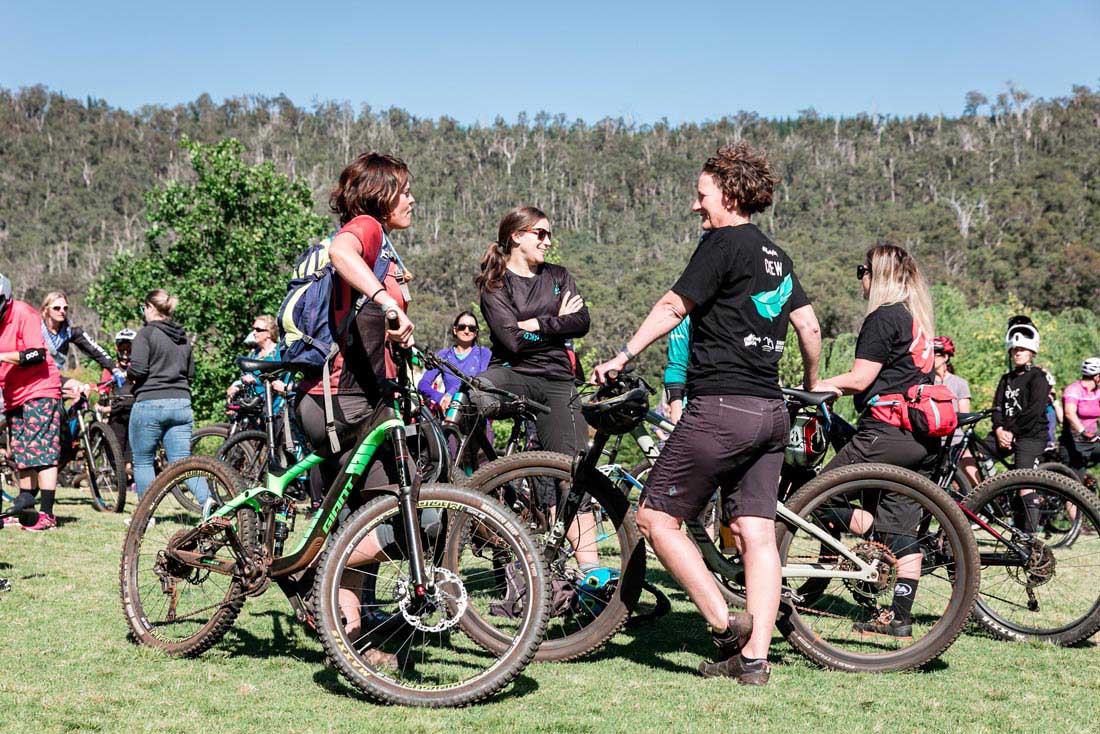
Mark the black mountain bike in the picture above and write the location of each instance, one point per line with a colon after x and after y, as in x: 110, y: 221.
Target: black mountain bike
x: 399, y: 584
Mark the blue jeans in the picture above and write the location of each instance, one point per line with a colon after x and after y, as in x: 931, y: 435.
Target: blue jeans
x: 167, y: 421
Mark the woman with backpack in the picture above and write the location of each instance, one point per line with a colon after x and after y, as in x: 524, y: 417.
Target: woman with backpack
x: 532, y: 308
x: 894, y: 352
x: 372, y: 200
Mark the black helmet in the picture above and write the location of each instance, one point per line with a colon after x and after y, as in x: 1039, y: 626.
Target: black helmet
x: 5, y: 294
x: 616, y: 408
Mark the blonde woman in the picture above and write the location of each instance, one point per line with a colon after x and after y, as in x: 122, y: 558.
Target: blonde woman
x: 59, y: 334
x: 894, y: 351
x: 161, y: 368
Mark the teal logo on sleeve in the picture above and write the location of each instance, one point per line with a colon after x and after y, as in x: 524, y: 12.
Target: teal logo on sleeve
x: 769, y: 304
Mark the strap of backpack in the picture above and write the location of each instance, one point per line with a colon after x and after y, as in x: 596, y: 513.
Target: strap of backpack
x: 326, y: 373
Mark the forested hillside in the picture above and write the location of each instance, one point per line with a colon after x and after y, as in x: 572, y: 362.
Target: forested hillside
x: 1001, y: 202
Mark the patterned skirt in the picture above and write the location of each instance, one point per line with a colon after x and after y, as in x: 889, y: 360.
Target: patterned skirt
x: 35, y: 433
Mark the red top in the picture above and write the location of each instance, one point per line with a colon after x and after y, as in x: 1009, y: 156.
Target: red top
x: 22, y: 329
x: 368, y: 231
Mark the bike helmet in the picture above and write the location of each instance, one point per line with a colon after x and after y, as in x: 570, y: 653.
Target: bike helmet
x: 125, y: 335
x: 616, y: 407
x: 1090, y: 367
x: 944, y: 345
x: 1022, y: 335
x: 5, y: 294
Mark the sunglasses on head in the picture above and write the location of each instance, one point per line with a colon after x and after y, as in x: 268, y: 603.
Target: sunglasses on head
x: 472, y: 328
x: 862, y: 270
x: 542, y: 234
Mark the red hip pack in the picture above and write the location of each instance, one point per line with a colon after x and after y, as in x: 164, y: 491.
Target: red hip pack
x: 924, y: 410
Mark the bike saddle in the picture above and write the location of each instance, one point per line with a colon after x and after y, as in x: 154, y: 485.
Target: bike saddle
x: 268, y: 367
x: 969, y: 419
x: 808, y: 398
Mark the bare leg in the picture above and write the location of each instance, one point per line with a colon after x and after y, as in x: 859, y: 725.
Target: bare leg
x: 682, y: 559
x: 581, y: 534
x: 755, y: 537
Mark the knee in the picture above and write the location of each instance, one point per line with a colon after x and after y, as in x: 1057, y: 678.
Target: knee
x: 754, y: 533
x: 653, y: 521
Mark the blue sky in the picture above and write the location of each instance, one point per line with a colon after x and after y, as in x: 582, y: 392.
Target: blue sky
x: 685, y: 61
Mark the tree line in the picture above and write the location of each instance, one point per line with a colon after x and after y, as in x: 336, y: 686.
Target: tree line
x: 999, y: 204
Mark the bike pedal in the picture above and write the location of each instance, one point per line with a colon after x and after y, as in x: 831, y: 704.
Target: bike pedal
x: 792, y: 596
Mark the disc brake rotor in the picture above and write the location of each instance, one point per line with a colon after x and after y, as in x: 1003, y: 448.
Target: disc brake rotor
x: 439, y: 609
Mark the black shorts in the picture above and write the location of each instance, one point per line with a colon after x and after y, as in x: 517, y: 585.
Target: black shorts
x: 733, y: 443
x: 1080, y: 455
x: 878, y: 442
x: 1026, y: 453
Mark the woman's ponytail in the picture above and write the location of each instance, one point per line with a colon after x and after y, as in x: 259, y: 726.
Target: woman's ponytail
x: 493, y: 264
x: 495, y: 261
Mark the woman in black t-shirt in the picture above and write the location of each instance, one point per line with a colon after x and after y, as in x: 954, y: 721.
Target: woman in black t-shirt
x: 894, y: 351
x: 742, y: 292
x: 533, y: 308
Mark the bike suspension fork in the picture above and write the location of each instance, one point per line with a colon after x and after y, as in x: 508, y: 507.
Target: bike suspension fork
x: 408, y: 480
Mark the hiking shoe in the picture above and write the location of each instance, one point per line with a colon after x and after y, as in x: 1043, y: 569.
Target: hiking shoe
x: 755, y: 673
x: 736, y: 636
x: 11, y: 521
x: 45, y: 522
x: 886, y: 625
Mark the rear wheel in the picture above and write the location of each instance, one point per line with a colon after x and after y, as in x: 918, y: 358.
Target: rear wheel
x: 833, y: 622
x: 411, y: 649
x: 587, y: 609
x: 106, y: 467
x: 1052, y: 594
x: 172, y: 605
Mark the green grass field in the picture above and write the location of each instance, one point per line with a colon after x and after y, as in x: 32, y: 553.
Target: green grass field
x: 66, y: 665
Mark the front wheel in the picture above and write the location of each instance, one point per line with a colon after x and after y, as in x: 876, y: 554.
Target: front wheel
x: 589, y: 607
x: 1043, y: 589
x: 414, y: 649
x: 912, y: 534
x: 106, y: 465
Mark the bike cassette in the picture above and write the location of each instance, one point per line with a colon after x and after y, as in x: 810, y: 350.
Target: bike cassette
x: 879, y: 556
x: 437, y: 610
x: 1039, y: 568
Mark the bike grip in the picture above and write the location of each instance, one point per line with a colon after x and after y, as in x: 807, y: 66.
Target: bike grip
x: 536, y: 406
x: 391, y: 320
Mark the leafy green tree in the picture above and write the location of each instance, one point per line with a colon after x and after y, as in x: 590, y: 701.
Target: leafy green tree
x: 222, y: 242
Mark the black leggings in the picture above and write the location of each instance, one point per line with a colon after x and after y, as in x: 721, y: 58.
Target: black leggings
x: 562, y: 429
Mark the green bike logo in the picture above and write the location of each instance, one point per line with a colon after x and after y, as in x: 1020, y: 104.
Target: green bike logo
x: 769, y: 304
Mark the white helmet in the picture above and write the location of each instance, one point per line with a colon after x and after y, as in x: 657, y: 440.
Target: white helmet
x: 1090, y: 367
x: 1022, y: 335
x: 126, y: 335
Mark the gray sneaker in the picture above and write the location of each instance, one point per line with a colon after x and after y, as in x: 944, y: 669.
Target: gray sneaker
x: 733, y: 667
x: 737, y: 634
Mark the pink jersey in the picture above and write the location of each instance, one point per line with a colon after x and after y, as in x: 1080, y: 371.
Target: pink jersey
x: 21, y: 329
x: 1086, y: 397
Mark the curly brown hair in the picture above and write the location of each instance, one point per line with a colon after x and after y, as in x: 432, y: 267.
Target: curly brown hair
x: 371, y: 184
x: 744, y: 175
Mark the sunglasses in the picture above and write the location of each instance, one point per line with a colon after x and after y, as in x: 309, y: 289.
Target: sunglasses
x: 59, y: 308
x: 542, y: 234
x: 258, y: 330
x: 472, y: 328
x: 862, y: 270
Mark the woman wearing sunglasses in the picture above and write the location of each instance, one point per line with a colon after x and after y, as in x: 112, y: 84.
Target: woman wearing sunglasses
x: 59, y: 334
x: 532, y: 308
x: 894, y: 351
x: 264, y: 346
x: 466, y: 354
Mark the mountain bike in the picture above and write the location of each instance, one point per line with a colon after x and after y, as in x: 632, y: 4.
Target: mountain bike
x: 834, y: 580
x: 1036, y: 583
x: 404, y: 624
x: 90, y: 451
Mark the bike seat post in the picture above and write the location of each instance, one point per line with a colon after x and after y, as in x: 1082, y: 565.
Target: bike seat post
x: 269, y: 424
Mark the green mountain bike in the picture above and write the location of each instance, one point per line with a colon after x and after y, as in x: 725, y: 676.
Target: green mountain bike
x: 393, y: 582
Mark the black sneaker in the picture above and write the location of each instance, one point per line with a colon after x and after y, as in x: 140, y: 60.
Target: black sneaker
x: 885, y: 625
x: 736, y: 636
x: 755, y: 674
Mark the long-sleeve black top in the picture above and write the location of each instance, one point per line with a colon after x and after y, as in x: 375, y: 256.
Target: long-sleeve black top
x: 1020, y: 403
x: 59, y: 343
x: 541, y: 353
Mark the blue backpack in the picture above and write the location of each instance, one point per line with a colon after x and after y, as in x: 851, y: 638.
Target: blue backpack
x: 307, y: 328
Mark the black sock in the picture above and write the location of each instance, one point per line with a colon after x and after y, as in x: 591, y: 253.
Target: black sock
x: 1032, y: 512
x: 46, y: 505
x: 24, y: 500
x: 752, y: 663
x: 905, y: 593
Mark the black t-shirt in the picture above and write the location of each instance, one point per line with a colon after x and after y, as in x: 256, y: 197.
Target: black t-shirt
x: 744, y: 289
x: 541, y: 353
x: 892, y: 338
x: 1020, y: 402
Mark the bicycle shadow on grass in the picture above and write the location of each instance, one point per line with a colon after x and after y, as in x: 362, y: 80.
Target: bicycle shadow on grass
x: 288, y: 639
x: 329, y: 679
